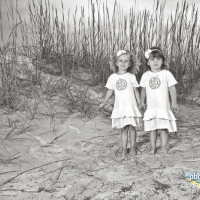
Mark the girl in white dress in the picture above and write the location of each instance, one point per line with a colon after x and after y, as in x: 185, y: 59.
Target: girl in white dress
x: 125, y: 115
x: 157, y: 83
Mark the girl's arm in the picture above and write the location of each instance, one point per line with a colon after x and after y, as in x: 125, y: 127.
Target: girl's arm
x: 172, y: 91
x: 107, y: 97
x: 137, y: 95
x: 143, y: 97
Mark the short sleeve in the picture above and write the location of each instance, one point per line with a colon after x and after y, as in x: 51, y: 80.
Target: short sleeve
x: 142, y: 81
x: 170, y: 79
x: 110, y: 83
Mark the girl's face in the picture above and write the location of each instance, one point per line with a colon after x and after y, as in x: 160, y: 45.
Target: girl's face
x: 155, y: 63
x: 123, y: 63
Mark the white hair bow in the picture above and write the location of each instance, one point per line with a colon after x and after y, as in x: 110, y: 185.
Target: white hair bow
x: 120, y: 52
x: 147, y: 53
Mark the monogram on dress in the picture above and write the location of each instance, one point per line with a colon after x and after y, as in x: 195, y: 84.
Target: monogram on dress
x: 154, y: 83
x: 121, y: 84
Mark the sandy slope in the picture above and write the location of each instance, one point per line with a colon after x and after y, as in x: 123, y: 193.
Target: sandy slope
x: 78, y: 158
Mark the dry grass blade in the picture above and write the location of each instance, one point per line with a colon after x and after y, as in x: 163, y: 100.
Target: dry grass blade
x: 180, y: 175
x: 10, y: 159
x: 159, y: 185
x: 34, y: 168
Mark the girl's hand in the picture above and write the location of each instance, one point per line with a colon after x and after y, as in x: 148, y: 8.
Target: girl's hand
x: 175, y: 107
x: 102, y: 105
x: 141, y: 106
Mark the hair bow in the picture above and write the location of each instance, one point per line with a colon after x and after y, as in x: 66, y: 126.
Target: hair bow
x: 120, y: 52
x: 148, y: 52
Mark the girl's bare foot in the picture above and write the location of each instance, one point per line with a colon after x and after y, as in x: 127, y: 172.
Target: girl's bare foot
x: 164, y: 150
x: 133, y: 152
x: 124, y: 152
x: 153, y: 150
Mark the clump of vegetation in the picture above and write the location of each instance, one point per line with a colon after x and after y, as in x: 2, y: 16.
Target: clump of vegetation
x: 90, y: 43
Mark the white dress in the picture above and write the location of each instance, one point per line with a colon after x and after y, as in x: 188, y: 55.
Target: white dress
x: 125, y: 111
x: 158, y: 114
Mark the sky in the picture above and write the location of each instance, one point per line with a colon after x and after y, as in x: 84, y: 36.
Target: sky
x: 170, y: 6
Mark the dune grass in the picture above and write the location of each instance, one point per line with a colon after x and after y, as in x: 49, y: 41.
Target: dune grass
x: 90, y: 42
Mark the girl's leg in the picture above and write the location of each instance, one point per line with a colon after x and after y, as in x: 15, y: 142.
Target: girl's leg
x: 153, y: 139
x: 132, y: 137
x: 164, y: 139
x: 124, y: 135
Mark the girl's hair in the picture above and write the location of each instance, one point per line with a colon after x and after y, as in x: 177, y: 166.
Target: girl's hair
x: 156, y: 52
x: 133, y: 61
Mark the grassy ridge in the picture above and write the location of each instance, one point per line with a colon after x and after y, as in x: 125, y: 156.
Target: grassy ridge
x: 89, y: 43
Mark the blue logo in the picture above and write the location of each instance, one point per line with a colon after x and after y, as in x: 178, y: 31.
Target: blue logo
x: 194, y: 179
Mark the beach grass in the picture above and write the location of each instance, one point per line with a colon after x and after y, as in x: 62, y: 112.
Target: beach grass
x: 91, y: 42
